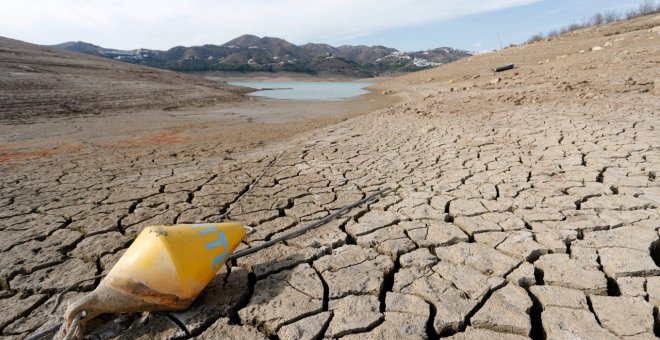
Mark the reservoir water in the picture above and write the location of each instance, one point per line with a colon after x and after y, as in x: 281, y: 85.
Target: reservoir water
x: 306, y: 90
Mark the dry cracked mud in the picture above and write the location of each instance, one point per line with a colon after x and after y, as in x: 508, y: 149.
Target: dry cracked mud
x: 507, y: 221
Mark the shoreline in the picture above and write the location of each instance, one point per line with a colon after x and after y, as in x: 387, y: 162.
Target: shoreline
x: 240, y: 125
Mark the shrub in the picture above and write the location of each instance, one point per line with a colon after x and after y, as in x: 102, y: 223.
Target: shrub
x: 535, y: 38
x: 646, y: 7
x: 611, y: 17
x: 598, y: 19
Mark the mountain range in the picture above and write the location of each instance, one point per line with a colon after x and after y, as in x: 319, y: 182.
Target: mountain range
x: 251, y: 53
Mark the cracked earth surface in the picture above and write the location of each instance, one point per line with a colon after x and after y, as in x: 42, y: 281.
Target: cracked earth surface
x: 537, y: 220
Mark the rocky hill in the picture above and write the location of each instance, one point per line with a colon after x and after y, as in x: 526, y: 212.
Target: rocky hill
x: 252, y: 53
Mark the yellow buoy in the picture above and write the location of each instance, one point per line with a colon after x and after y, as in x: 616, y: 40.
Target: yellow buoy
x: 164, y: 269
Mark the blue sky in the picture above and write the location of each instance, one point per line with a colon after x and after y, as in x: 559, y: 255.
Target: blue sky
x: 403, y: 24
x: 479, y: 32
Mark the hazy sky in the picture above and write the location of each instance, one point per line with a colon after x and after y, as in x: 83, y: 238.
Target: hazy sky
x: 403, y: 24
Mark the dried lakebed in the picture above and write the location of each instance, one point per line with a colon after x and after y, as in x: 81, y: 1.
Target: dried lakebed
x: 525, y: 206
x: 492, y: 231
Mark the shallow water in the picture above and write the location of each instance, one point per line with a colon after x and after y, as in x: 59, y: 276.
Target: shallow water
x: 306, y: 90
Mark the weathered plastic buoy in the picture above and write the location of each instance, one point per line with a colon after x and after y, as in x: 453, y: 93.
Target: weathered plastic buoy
x: 164, y: 269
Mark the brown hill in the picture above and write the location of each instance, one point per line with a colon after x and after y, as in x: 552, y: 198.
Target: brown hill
x: 42, y: 81
x: 610, y: 67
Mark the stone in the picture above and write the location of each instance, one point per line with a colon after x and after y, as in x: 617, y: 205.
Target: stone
x: 353, y: 314
x: 653, y: 290
x: 552, y: 239
x: 305, y: 211
x: 452, y: 305
x: 56, y: 278
x: 540, y: 215
x: 632, y: 286
x: 98, y: 223
x: 616, y: 202
x: 352, y: 269
x: 373, y: 220
x: 521, y: 244
x: 25, y: 258
x: 476, y: 224
x: 221, y: 298
x: 571, y: 323
x: 472, y: 333
x: 506, y: 311
x: 466, y: 207
x: 452, y: 310
x: 396, y: 326
x: 505, y: 219
x: 560, y: 270
x: 308, y: 328
x: 405, y: 303
x: 15, y: 307
x: 492, y: 239
x: 433, y: 233
x: 625, y: 237
x: 94, y: 247
x: 279, y: 256
x: 421, y: 282
x: 108, y: 261
x: 282, y: 298
x: 441, y: 203
x: 551, y: 296
x: 62, y: 240
x: 442, y: 234
x: 268, y: 228
x: 326, y: 237
x: 523, y: 276
x: 34, y: 228
x: 585, y: 255
x: 41, y: 315
x: 469, y: 281
x: 391, y: 241
x: 479, y: 256
x: 222, y: 329
x: 618, y: 262
x: 623, y: 316
x: 156, y: 326
x: 421, y: 258
x: 422, y: 212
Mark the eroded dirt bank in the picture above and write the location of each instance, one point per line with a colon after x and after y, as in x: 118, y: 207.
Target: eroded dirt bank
x: 526, y: 205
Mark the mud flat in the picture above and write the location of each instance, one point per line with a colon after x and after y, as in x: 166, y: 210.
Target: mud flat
x: 226, y: 127
x: 526, y: 205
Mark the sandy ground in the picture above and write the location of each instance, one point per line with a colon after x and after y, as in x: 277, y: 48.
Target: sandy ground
x: 525, y: 205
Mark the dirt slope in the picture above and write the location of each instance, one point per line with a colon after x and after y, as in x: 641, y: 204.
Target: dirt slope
x: 37, y: 81
x: 600, y: 67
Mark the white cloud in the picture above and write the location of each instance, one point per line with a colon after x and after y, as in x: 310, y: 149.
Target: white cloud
x: 166, y: 23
